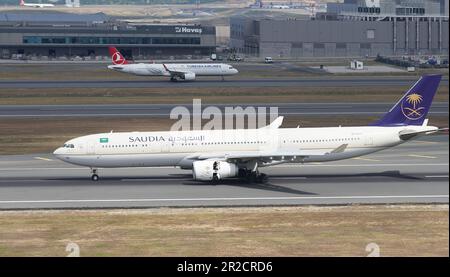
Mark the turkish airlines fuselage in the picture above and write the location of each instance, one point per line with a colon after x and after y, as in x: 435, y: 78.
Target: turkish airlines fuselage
x: 176, y: 71
x: 204, y: 69
x: 35, y: 5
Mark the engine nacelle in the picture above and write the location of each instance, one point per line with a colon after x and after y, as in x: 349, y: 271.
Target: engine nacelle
x: 213, y: 170
x: 189, y: 76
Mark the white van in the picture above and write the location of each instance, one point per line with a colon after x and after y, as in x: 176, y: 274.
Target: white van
x: 268, y: 60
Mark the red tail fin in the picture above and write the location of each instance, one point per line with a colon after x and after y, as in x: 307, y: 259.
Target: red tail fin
x: 116, y: 57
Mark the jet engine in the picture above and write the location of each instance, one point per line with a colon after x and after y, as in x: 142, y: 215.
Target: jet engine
x: 210, y: 170
x: 189, y: 76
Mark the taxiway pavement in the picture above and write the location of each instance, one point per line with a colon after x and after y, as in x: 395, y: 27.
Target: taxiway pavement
x: 415, y: 172
x: 354, y: 81
x: 164, y: 110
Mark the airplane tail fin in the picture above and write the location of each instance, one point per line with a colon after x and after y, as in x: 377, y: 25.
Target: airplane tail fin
x: 22, y: 3
x: 116, y: 56
x: 413, y: 107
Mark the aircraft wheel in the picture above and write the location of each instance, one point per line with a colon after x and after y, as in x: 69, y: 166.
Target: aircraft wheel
x: 242, y: 173
x: 215, y: 178
x: 262, y: 178
x: 95, y: 177
x: 251, y: 177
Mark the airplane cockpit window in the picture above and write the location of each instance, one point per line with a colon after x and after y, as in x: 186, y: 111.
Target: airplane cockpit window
x: 68, y: 146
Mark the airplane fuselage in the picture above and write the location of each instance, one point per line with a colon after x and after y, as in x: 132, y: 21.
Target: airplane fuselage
x: 206, y: 69
x: 217, y: 154
x: 37, y: 5
x: 181, y: 148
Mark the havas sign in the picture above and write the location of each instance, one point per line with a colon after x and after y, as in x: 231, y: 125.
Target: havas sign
x: 188, y: 30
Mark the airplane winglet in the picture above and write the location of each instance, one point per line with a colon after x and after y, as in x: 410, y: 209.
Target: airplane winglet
x: 275, y: 124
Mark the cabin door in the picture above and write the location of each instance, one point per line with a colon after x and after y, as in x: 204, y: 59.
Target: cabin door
x: 166, y: 146
x: 368, y: 141
x: 90, y: 149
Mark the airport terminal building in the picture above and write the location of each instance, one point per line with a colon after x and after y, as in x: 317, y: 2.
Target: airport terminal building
x: 351, y: 30
x: 61, y: 35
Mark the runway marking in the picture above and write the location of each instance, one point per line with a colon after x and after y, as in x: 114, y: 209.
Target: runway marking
x: 22, y: 180
x: 425, y: 142
x: 42, y: 168
x: 422, y: 156
x: 221, y: 199
x: 152, y: 179
x: 366, y: 159
x: 43, y: 159
x: 287, y: 178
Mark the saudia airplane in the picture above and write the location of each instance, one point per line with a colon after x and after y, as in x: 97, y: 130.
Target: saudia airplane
x: 176, y: 71
x: 218, y: 154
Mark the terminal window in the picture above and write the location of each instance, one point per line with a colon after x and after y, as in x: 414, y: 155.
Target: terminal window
x: 372, y: 10
x: 371, y: 34
x: 110, y: 40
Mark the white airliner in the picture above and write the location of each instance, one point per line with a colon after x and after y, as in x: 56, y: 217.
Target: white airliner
x: 35, y: 5
x: 217, y: 154
x: 281, y: 7
x: 176, y: 71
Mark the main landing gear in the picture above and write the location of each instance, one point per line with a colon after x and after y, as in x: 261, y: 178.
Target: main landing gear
x: 253, y: 176
x: 94, y: 176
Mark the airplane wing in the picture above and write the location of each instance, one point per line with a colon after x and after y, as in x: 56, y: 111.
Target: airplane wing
x: 268, y: 156
x: 178, y: 73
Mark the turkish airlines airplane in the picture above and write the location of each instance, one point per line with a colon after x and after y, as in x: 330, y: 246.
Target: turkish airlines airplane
x: 218, y: 154
x: 35, y: 5
x: 176, y: 71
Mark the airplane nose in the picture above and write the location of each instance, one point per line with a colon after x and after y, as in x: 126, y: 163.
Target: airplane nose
x: 58, y: 152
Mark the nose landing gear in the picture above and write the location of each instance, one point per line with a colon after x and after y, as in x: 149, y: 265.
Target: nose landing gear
x: 94, y: 176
